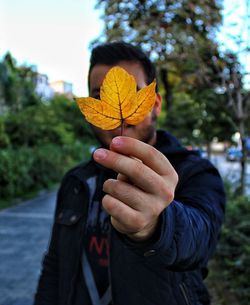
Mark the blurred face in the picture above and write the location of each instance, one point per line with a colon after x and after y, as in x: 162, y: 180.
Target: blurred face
x: 144, y: 131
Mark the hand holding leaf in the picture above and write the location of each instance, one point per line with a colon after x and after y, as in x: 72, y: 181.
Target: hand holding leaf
x: 119, y: 101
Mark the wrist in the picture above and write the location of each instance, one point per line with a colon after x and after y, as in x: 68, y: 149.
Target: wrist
x: 145, y: 235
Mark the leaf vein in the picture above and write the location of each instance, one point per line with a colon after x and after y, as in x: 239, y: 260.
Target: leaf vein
x: 101, y: 113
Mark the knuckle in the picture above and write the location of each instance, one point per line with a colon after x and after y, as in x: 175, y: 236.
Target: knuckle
x: 118, y: 162
x: 107, y: 203
x: 170, y: 195
x: 175, y: 178
x: 114, y: 187
x: 167, y: 191
x: 119, y: 190
x: 151, y: 152
x: 163, y: 187
x: 106, y: 185
x: 121, y: 177
x: 153, y: 181
x: 138, y: 168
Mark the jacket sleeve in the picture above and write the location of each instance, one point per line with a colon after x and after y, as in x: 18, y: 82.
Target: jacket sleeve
x: 189, y: 227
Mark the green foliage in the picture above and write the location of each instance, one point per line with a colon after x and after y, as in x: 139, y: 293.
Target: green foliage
x: 231, y: 263
x: 39, y: 148
x: 179, y: 36
x: 17, y: 85
x: 198, y: 117
x: 68, y: 112
x: 14, y: 167
x: 164, y: 28
x: 39, y: 141
x: 31, y: 168
x: 4, y: 139
x: 58, y: 122
x: 183, y: 118
x: 36, y: 125
x: 215, y: 119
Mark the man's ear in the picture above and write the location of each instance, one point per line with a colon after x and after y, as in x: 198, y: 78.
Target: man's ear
x: 158, y: 103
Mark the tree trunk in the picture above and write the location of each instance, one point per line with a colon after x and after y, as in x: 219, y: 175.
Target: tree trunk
x: 209, y: 150
x: 243, y: 158
x: 168, y: 95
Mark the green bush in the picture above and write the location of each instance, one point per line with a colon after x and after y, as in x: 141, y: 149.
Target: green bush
x: 39, y: 140
x: 39, y: 144
x: 231, y: 263
x: 14, y: 168
x: 4, y: 139
x: 68, y: 112
x: 36, y: 125
x: 31, y: 168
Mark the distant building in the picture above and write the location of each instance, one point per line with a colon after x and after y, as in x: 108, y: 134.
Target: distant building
x: 46, y: 90
x: 62, y: 87
x: 43, y: 88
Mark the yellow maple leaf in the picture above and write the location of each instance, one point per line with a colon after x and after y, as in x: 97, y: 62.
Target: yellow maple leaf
x: 119, y: 101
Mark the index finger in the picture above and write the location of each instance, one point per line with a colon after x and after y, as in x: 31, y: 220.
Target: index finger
x: 149, y: 155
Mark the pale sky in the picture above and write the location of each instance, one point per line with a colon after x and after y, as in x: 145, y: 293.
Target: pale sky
x: 55, y: 36
x: 235, y: 25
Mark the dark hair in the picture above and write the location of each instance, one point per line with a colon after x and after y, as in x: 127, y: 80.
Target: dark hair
x: 114, y: 52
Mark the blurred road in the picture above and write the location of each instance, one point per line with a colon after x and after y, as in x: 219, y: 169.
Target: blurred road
x: 231, y: 170
x: 24, y: 234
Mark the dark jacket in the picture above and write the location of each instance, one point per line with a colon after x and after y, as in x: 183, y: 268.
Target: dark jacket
x: 169, y: 268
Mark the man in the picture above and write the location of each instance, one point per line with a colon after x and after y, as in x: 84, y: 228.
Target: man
x: 138, y: 223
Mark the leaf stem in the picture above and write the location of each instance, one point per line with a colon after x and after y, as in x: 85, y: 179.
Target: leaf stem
x: 122, y: 126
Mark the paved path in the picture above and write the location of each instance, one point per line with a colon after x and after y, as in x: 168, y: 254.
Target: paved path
x: 24, y: 234
x: 231, y: 171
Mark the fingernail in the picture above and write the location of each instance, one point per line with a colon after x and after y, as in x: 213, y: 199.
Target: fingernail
x: 100, y: 154
x: 117, y: 141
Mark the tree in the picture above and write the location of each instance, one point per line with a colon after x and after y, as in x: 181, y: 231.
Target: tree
x: 198, y: 117
x: 231, y: 67
x: 8, y: 83
x: 173, y: 33
x: 179, y: 36
x: 17, y: 85
x: 215, y: 120
x: 238, y: 101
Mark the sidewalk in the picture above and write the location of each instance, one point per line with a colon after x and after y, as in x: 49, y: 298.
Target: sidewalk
x: 24, y: 234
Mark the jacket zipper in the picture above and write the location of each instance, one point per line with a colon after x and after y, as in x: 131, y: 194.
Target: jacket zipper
x: 184, y: 293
